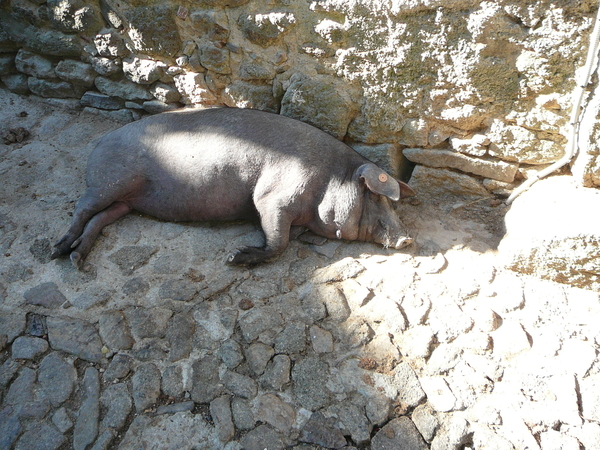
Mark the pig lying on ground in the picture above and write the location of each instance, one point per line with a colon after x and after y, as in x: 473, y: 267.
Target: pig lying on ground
x: 228, y: 164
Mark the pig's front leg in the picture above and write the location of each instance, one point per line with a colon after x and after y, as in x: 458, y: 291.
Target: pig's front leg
x: 277, y: 236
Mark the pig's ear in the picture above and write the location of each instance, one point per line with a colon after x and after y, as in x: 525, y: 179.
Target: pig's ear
x: 379, y: 182
x: 406, y: 190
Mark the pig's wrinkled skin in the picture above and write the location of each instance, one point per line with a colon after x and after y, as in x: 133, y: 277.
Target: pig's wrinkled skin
x: 228, y: 164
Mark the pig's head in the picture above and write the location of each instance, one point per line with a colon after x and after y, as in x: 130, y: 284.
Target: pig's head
x: 379, y: 221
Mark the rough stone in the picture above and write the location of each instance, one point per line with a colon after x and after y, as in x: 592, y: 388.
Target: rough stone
x: 258, y: 355
x: 322, y: 431
x: 114, y: 330
x: 241, y: 94
x: 257, y: 320
x: 61, y: 420
x: 17, y: 83
x: 75, y: 336
x: 28, y: 347
x: 153, y: 30
x: 76, y: 72
x: 205, y: 380
x: 182, y: 430
x: 165, y: 93
x: 86, y: 425
x: 106, y: 67
x: 438, y: 185
x: 117, y: 403
x: 109, y: 43
x: 322, y: 340
x: 426, y: 421
x: 180, y: 290
x: 97, y: 100
x: 292, y: 339
x: 56, y: 378
x: 262, y: 437
x: 126, y: 90
x: 277, y: 413
x: 266, y: 29
x: 220, y: 410
x: 239, y: 385
x: 119, y: 367
x: 400, y: 433
x: 146, y: 386
x: 172, y: 381
x: 309, y: 377
x: 40, y: 435
x: 489, y: 168
x: 438, y: 393
x: 242, y: 414
x: 21, y: 390
x: 53, y: 89
x: 277, y: 373
x: 193, y: 88
x: 148, y: 322
x: 408, y: 385
x: 143, y: 71
x: 324, y: 103
x: 180, y: 332
x: 231, y: 353
x: 34, y: 65
x: 215, y: 59
x: 560, y: 241
x: 354, y: 421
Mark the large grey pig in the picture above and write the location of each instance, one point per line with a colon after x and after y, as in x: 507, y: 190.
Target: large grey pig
x: 229, y: 164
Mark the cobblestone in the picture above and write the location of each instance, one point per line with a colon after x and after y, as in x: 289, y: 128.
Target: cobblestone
x: 156, y: 344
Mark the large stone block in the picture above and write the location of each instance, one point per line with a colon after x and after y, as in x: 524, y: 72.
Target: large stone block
x: 552, y: 232
x: 76, y: 72
x: 193, y: 89
x: 54, y: 88
x: 322, y: 101
x: 266, y: 29
x: 241, y: 94
x: 123, y: 89
x: 152, y: 29
x: 34, y: 65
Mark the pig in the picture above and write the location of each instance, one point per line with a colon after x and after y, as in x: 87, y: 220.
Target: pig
x: 225, y: 164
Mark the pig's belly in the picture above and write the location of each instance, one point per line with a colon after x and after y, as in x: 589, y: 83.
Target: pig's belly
x: 197, y: 204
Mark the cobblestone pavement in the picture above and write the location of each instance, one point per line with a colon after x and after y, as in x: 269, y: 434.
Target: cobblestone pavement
x: 157, y: 344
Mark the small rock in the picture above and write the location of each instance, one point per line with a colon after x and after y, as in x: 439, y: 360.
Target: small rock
x: 438, y: 393
x: 321, y: 431
x: 117, y: 404
x: 56, y: 378
x: 454, y: 434
x: 148, y: 322
x: 61, y: 420
x: 257, y: 320
x: 231, y: 353
x: 172, y: 381
x: 146, y: 386
x: 240, y: 385
x: 40, y: 435
x: 25, y: 347
x: 119, y: 367
x: 180, y: 290
x: 355, y: 422
x: 510, y: 339
x: 242, y: 414
x: 262, y: 438
x: 277, y: 413
x: 220, y: 410
x: 175, y: 408
x: 292, y: 339
x: 21, y: 390
x: 36, y: 325
x: 310, y: 376
x: 205, y: 380
x: 277, y: 373
x: 115, y: 331
x: 400, y: 433
x: 130, y: 258
x: 46, y: 295
x: 75, y: 336
x: 416, y: 342
x: 378, y: 409
x: 258, y: 355
x: 408, y: 385
x: 86, y: 425
x: 426, y: 421
x: 322, y: 340
x: 180, y: 333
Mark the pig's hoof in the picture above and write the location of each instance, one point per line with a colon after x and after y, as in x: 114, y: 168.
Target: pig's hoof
x: 247, y: 255
x: 77, y: 260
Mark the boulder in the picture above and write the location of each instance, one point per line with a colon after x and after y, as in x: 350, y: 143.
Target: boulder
x: 552, y: 232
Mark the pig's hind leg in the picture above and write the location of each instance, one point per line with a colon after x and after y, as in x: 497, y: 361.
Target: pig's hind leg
x: 83, y: 244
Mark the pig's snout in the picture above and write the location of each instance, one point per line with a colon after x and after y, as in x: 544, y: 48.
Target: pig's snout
x: 403, y: 242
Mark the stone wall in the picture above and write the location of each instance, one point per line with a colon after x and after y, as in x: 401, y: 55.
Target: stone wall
x: 477, y: 94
